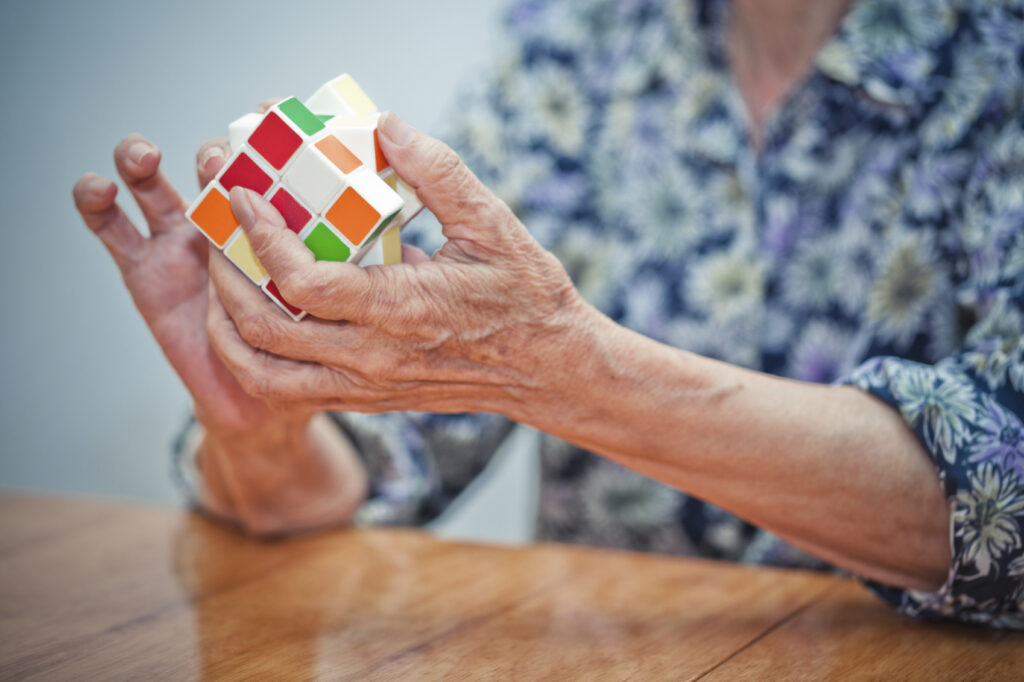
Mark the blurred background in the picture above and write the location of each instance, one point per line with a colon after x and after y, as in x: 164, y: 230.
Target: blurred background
x: 89, y: 403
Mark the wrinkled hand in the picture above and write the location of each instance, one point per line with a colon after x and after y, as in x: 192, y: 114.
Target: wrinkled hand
x: 166, y: 272
x: 476, y: 327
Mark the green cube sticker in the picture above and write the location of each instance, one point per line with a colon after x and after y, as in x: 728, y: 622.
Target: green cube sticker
x: 383, y: 226
x: 325, y: 245
x: 324, y: 118
x: 301, y: 116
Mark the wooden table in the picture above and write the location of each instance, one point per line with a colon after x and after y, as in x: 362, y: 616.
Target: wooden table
x: 92, y: 590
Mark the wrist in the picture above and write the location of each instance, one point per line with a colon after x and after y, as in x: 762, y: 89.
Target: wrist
x: 560, y: 368
x: 263, y: 425
x: 599, y: 376
x: 292, y: 474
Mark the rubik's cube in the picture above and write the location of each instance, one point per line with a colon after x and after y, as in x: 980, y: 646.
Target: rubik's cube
x: 319, y: 163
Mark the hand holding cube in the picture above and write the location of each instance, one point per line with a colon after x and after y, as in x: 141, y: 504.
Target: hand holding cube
x: 323, y: 171
x: 481, y: 321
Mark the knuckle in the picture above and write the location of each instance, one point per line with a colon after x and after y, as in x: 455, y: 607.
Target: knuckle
x: 265, y: 106
x: 378, y: 370
x: 257, y: 330
x: 256, y: 383
x: 306, y: 288
x: 372, y: 375
x: 259, y: 525
x: 446, y: 164
x: 216, y: 331
x: 212, y: 328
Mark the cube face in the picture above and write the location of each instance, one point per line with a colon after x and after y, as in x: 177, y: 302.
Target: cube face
x: 326, y: 245
x: 314, y: 179
x: 212, y: 214
x: 275, y: 140
x: 239, y: 251
x: 326, y: 188
x: 243, y: 171
x: 296, y: 216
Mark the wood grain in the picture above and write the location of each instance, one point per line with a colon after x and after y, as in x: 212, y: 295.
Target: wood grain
x: 845, y: 636
x: 92, y: 590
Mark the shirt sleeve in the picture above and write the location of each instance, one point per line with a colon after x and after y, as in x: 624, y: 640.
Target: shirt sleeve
x: 418, y: 463
x: 967, y: 409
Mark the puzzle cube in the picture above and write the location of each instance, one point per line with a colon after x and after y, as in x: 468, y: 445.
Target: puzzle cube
x: 358, y: 132
x: 338, y: 206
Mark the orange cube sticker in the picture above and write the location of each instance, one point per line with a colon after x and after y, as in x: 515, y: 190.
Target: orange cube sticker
x: 353, y: 216
x: 338, y: 154
x: 214, y: 217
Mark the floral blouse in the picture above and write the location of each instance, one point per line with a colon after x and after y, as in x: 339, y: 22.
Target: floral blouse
x: 874, y: 237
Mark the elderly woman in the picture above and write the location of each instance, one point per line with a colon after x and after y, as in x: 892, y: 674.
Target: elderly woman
x: 790, y: 262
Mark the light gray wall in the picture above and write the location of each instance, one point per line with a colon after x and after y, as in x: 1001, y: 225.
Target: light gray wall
x: 89, y: 404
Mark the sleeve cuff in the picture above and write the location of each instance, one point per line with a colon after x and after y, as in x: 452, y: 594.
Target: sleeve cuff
x: 185, y: 464
x: 950, y: 413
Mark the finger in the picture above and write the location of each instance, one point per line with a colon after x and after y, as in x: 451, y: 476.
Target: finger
x: 413, y: 254
x: 329, y: 290
x: 341, y: 345
x: 259, y: 322
x: 420, y: 396
x: 95, y: 201
x: 138, y: 163
x: 264, y: 106
x: 309, y: 385
x: 262, y: 375
x: 463, y: 204
x: 210, y: 158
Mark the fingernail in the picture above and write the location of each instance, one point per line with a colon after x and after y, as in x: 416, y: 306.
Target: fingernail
x: 97, y: 185
x: 138, y: 151
x: 396, y: 130
x: 241, y: 204
x: 211, y: 153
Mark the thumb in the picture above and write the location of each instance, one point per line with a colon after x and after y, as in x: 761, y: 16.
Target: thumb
x: 463, y: 205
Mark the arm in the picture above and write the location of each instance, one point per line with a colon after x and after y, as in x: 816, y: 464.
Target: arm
x: 264, y: 468
x: 492, y: 323
x: 828, y: 468
x: 289, y: 475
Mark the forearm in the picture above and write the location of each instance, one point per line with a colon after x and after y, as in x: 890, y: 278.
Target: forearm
x: 830, y: 469
x: 289, y: 475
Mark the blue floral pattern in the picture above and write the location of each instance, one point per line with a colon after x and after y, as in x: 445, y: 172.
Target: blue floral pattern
x: 874, y: 237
